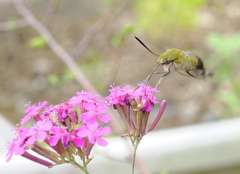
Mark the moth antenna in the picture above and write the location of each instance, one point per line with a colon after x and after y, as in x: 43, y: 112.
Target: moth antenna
x: 145, y: 46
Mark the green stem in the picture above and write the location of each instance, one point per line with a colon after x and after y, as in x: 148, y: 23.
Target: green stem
x: 134, y: 157
x: 85, y: 171
x: 83, y: 168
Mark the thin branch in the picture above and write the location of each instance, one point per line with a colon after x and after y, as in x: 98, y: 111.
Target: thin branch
x: 22, y: 23
x: 12, y: 25
x: 53, y: 44
x: 87, y: 38
x: 51, y: 9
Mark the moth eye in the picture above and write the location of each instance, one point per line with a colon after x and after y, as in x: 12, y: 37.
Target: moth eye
x: 167, y: 61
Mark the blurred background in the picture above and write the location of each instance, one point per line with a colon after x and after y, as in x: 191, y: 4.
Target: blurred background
x: 99, y: 36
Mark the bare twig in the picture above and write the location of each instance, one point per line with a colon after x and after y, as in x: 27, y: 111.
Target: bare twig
x: 12, y: 25
x: 22, y: 23
x: 51, y: 8
x: 53, y: 44
x: 87, y: 38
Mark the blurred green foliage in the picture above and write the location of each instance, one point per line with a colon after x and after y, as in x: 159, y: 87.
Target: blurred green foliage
x: 107, y: 1
x: 54, y: 80
x: 95, y: 69
x: 92, y: 67
x: 163, y: 17
x: 61, y: 80
x: 226, y: 50
x: 164, y: 172
x: 37, y: 42
x: 118, y: 39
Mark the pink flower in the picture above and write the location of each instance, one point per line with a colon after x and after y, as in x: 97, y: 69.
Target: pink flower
x: 57, y: 126
x: 134, y: 107
x: 22, y: 133
x: 159, y: 115
x: 57, y: 134
x: 145, y: 96
x: 81, y: 97
x: 94, y: 111
x: 94, y: 133
x: 17, y: 149
x: 39, y: 130
x: 14, y: 148
x: 32, y: 111
x: 118, y: 95
x: 65, y: 110
x: 65, y: 137
x: 77, y: 141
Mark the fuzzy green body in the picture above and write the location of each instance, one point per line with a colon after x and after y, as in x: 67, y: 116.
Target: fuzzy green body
x: 184, y: 62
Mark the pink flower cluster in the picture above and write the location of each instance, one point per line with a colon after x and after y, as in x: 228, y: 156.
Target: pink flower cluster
x: 134, y: 107
x: 65, y: 131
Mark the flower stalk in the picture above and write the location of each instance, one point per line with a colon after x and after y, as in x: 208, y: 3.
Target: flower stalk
x: 68, y: 134
x: 134, y: 107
